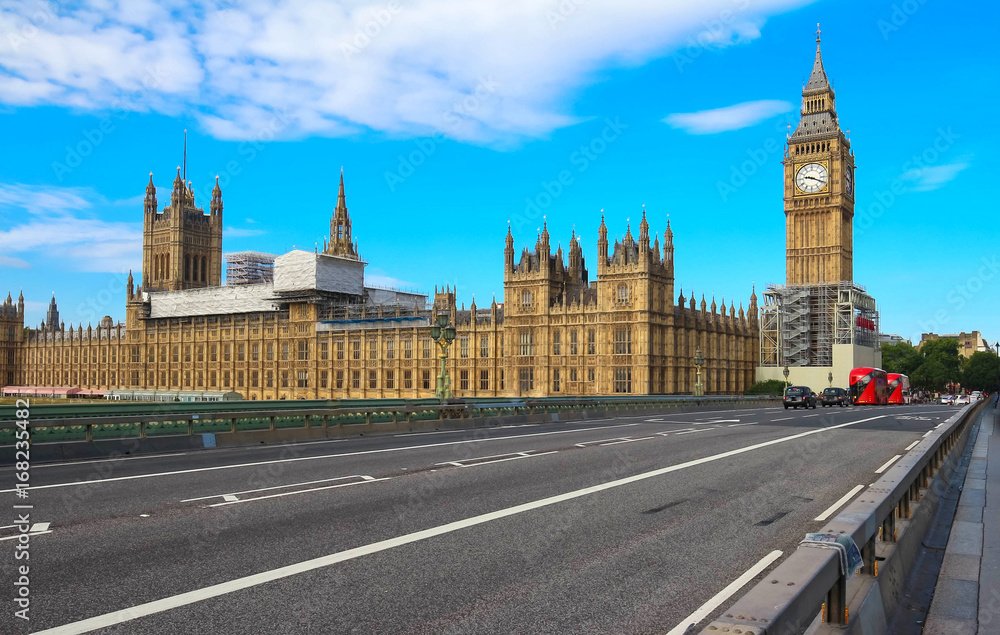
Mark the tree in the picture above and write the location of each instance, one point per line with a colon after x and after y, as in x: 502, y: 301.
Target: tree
x: 940, y: 365
x: 901, y: 358
x: 981, y: 371
x: 931, y: 375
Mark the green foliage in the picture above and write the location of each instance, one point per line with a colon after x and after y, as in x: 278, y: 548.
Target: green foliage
x: 901, y: 358
x: 769, y: 387
x: 939, y: 365
x: 981, y: 371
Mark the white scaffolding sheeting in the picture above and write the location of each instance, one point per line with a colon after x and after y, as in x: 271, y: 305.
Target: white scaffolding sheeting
x: 303, y: 270
x: 244, y: 298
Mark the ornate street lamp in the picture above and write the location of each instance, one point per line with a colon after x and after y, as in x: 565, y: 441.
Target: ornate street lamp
x: 443, y: 335
x: 699, y: 361
x: 785, y: 373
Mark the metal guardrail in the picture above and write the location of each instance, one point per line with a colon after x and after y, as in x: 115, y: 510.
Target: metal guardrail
x: 809, y: 582
x: 186, y: 418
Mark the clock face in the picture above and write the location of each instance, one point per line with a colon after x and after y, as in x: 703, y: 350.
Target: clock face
x: 811, y: 177
x: 849, y: 181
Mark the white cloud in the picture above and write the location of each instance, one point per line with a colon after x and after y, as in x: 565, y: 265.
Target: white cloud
x: 486, y: 71
x: 240, y: 232
x: 728, y: 118
x: 51, y: 223
x: 931, y: 178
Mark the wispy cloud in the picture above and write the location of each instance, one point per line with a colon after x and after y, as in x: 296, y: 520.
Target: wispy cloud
x: 728, y: 118
x: 241, y: 232
x: 931, y: 178
x: 336, y: 67
x: 52, y: 223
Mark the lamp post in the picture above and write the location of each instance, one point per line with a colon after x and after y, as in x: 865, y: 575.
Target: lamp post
x: 830, y: 377
x: 997, y: 345
x: 699, y: 361
x: 785, y: 373
x: 443, y: 335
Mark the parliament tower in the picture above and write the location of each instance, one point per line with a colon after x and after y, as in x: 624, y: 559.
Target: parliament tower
x: 819, y: 189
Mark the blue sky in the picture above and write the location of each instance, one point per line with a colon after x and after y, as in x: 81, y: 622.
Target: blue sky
x: 452, y: 119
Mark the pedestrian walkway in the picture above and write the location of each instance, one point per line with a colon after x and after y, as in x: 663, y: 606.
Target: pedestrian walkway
x: 967, y: 596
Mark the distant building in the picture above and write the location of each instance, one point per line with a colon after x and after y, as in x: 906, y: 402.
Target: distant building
x: 968, y: 343
x: 892, y: 338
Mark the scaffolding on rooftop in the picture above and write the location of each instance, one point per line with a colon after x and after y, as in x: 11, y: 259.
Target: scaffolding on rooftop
x: 249, y: 267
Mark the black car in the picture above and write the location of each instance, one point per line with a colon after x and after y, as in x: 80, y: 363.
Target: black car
x: 796, y: 396
x: 834, y: 397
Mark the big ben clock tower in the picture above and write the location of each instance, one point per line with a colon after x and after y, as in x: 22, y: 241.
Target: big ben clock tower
x: 819, y: 189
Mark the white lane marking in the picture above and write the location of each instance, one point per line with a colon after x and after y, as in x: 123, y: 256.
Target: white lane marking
x: 586, y: 443
x: 784, y: 419
x: 37, y: 527
x: 807, y: 416
x: 31, y: 534
x: 230, y: 498
x: 265, y: 489
x: 736, y: 425
x: 693, y: 431
x: 313, y: 458
x: 912, y: 445
x: 216, y: 590
x: 420, y: 434
x: 724, y: 421
x: 705, y: 609
x: 628, y: 441
x: 513, y: 456
x: 928, y: 433
x: 298, y: 491
x: 840, y: 503
x: 121, y: 458
x: 886, y: 465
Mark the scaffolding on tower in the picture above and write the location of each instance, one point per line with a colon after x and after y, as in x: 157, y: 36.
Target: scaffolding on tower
x: 249, y: 267
x: 800, y: 324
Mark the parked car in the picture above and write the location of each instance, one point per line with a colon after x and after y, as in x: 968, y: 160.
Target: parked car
x: 963, y: 400
x: 796, y: 396
x: 946, y: 400
x: 976, y: 395
x: 834, y: 397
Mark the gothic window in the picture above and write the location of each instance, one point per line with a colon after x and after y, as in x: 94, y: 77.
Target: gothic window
x: 526, y: 298
x: 623, y: 341
x: 340, y: 379
x: 484, y: 380
x: 373, y: 379
x: 427, y: 348
x: 556, y: 346
x: 254, y: 378
x: 323, y: 379
x: 622, y: 293
x: 526, y: 343
x: 303, y: 379
x: 390, y: 380
x: 425, y: 379
x: 408, y: 379
x: 284, y: 356
x: 356, y: 379
x: 407, y: 349
x: 270, y: 352
x: 241, y: 352
x: 324, y: 351
x: 555, y: 380
x: 526, y: 379
x: 284, y: 379
x: 572, y: 374
x: 484, y: 346
x: 254, y: 352
x: 303, y: 351
x: 373, y: 349
x: 390, y: 349
x: 572, y: 342
x: 340, y: 350
x: 463, y: 379
x: 623, y: 380
x: 356, y: 351
x: 464, y: 347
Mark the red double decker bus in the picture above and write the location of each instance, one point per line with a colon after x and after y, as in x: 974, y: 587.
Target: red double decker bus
x: 899, y: 388
x: 869, y: 386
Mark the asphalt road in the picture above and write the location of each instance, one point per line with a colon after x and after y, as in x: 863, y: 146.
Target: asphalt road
x: 619, y: 525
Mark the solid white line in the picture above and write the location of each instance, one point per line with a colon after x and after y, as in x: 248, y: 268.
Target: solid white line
x: 121, y: 458
x: 693, y: 431
x: 736, y: 425
x: 586, y: 443
x: 519, y: 455
x: 887, y: 464
x: 705, y: 609
x: 298, y: 491
x: 840, y: 503
x: 264, y: 489
x: 419, y: 434
x: 785, y: 419
x: 216, y: 590
x: 911, y: 446
x: 312, y: 458
x: 628, y: 441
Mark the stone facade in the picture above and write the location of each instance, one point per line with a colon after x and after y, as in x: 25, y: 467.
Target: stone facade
x: 557, y: 332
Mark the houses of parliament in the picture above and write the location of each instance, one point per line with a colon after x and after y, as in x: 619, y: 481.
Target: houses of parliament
x: 317, y: 331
